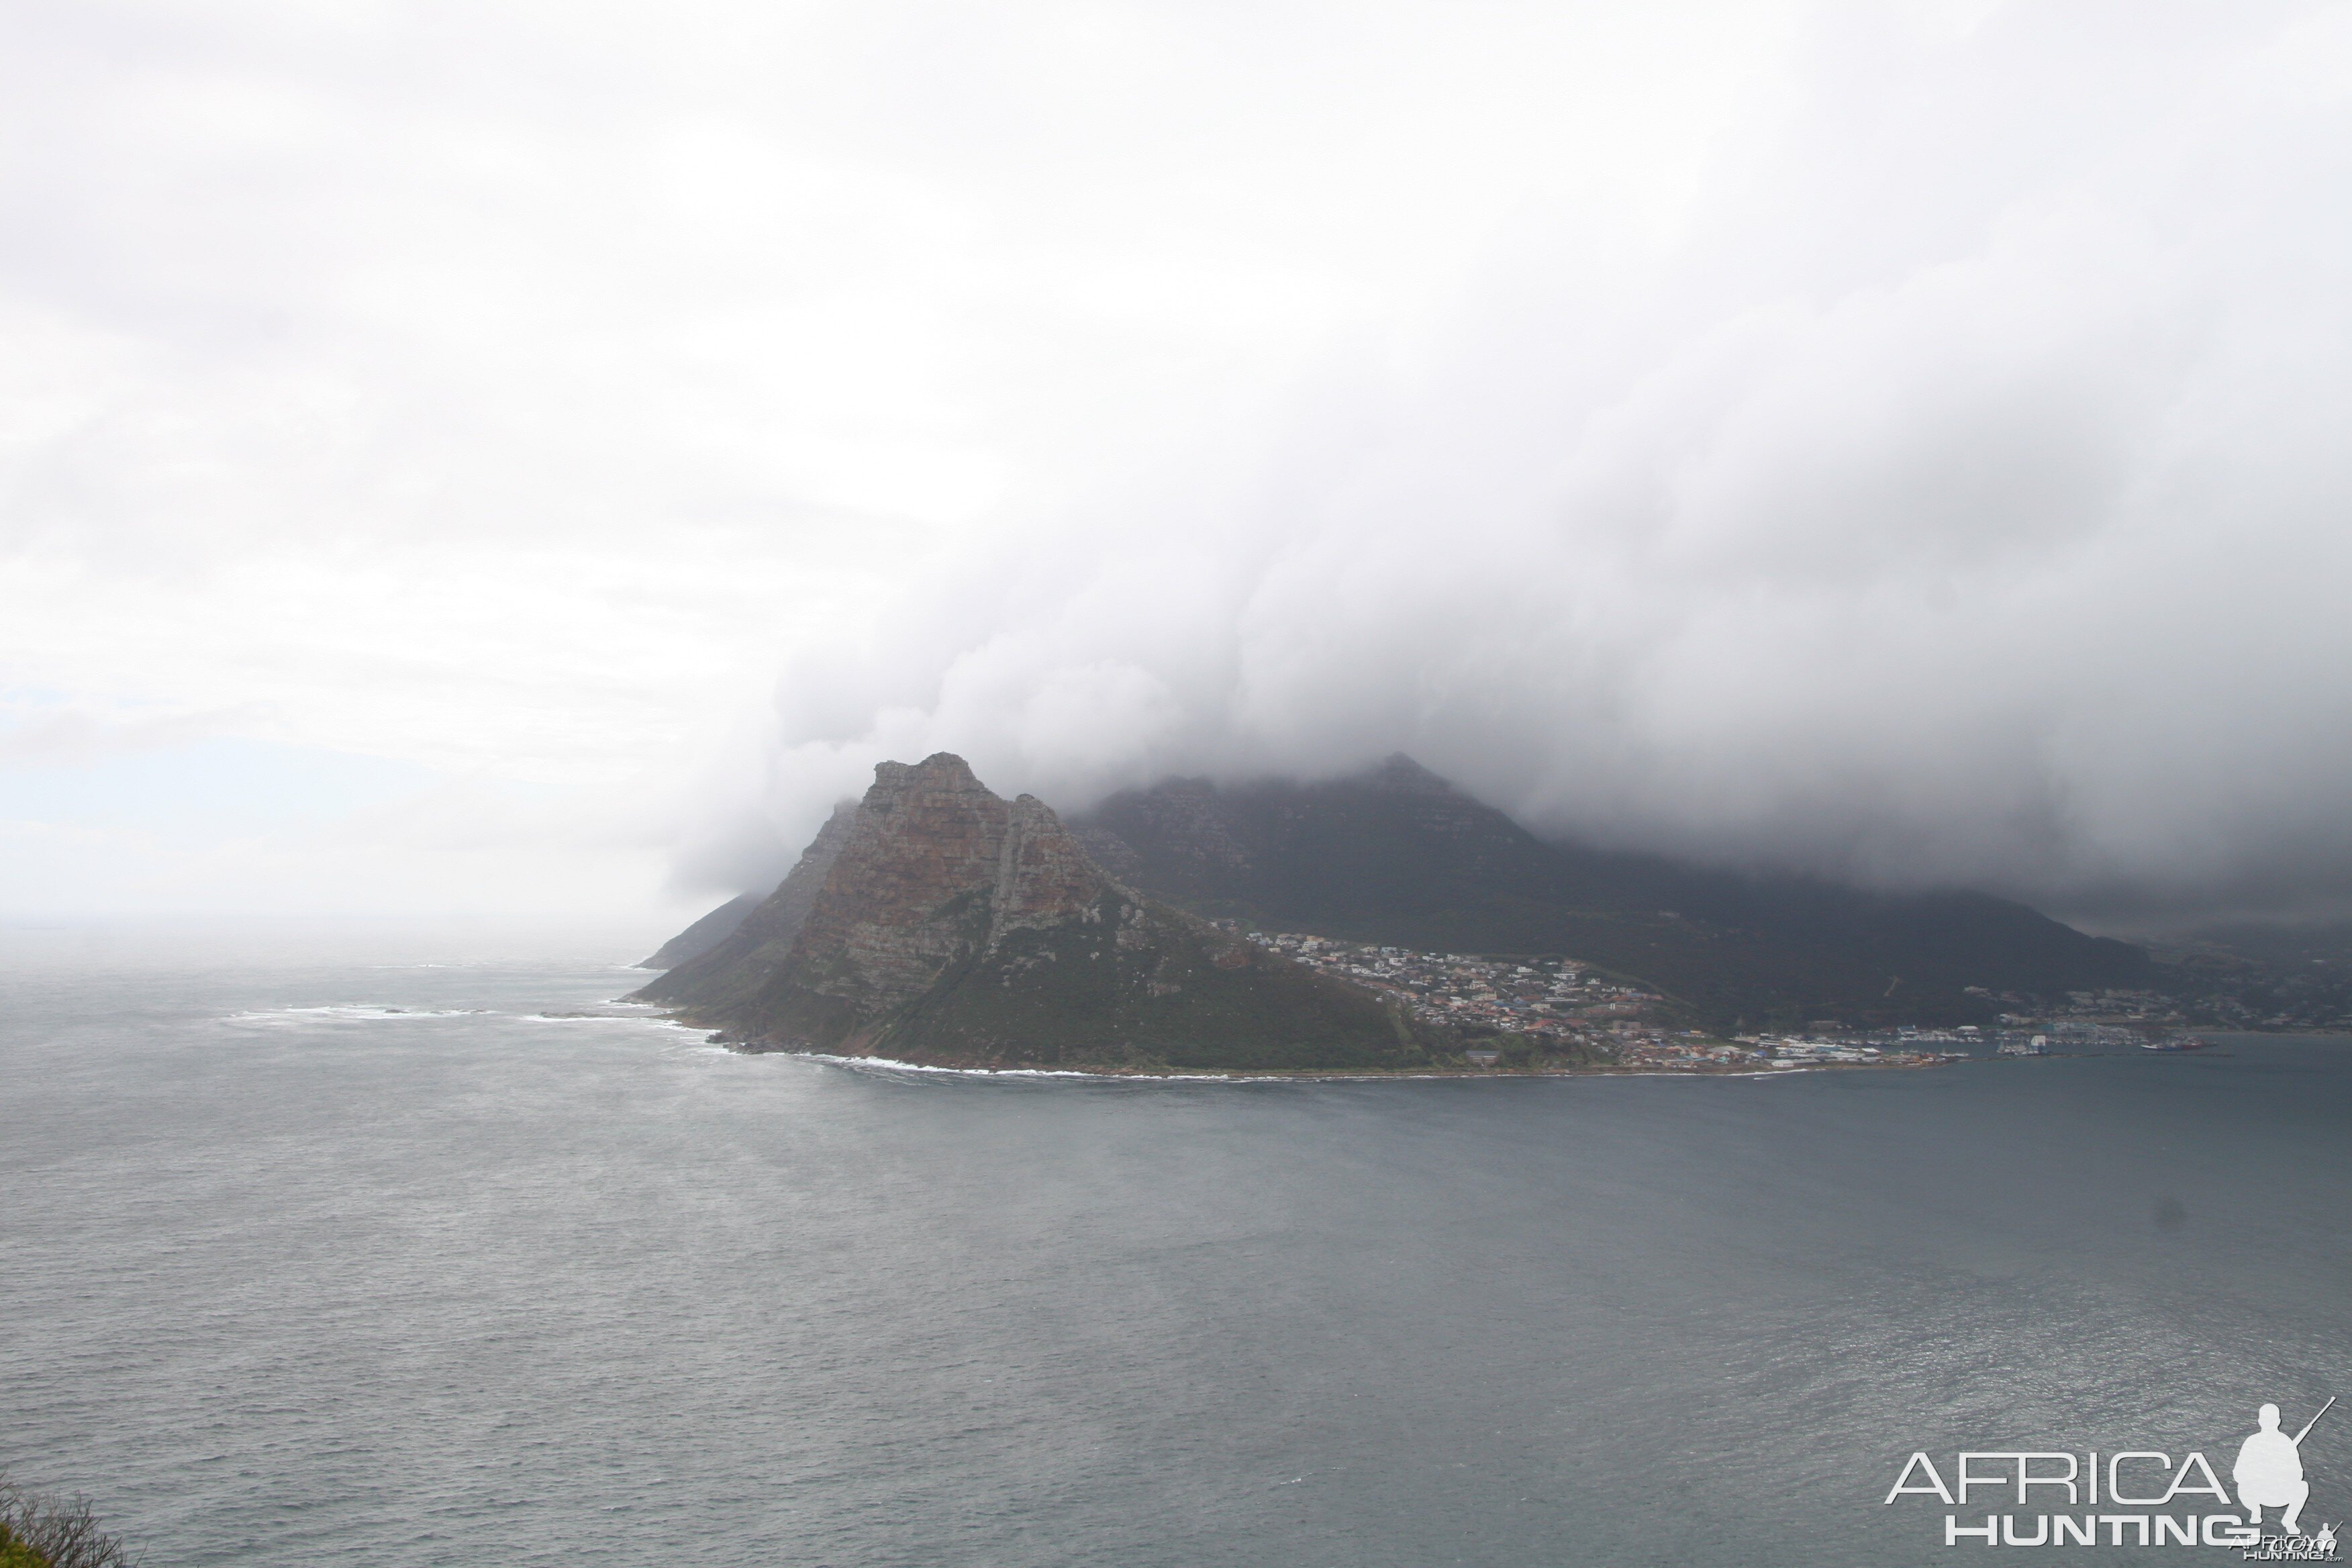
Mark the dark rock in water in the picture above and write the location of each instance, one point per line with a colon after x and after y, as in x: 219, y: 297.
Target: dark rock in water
x: 1398, y: 856
x: 958, y: 928
x: 703, y: 934
x: 740, y: 960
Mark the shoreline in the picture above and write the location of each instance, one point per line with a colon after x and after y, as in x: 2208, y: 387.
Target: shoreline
x: 1355, y: 1075
x: 1278, y: 1075
x: 1281, y: 1075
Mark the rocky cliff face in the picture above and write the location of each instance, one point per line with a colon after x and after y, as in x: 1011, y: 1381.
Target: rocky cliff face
x: 957, y: 927
x: 935, y: 868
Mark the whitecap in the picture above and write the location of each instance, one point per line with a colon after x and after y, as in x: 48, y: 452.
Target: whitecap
x: 887, y: 1065
x: 351, y: 1011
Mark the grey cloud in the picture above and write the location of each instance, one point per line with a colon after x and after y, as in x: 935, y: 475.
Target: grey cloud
x: 1916, y: 456
x: 1960, y: 496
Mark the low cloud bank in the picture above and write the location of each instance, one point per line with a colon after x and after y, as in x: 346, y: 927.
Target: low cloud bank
x: 1956, y: 492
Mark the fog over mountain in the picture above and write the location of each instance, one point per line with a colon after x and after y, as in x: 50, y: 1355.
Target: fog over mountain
x: 523, y: 455
x: 1957, y: 495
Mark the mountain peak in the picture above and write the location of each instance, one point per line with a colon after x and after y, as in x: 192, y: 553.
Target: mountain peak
x: 940, y: 771
x: 1396, y: 855
x: 955, y: 926
x: 1399, y: 773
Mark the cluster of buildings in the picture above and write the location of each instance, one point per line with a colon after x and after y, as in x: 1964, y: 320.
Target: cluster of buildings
x: 2242, y: 998
x: 1561, y: 1001
x: 2107, y: 1017
x: 1690, y: 1053
x: 2316, y: 1001
x: 1907, y: 1048
x: 1558, y: 999
x: 1539, y: 1004
x: 2107, y: 1020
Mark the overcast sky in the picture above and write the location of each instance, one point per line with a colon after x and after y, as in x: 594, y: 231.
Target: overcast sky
x: 508, y: 457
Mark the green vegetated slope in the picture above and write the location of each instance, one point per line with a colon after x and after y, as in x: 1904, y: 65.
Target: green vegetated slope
x: 1127, y: 985
x: 1398, y: 856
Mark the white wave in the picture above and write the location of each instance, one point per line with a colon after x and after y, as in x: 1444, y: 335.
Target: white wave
x: 883, y: 1067
x: 601, y: 1015
x: 350, y: 1010
x: 701, y: 1037
x: 888, y: 1065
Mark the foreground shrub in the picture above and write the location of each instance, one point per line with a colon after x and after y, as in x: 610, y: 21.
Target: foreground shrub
x: 42, y: 1532
x: 15, y: 1553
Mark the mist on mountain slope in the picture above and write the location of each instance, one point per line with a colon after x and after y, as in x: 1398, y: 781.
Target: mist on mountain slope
x: 1956, y: 497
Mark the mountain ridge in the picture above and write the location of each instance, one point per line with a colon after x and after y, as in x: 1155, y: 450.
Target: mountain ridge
x: 1397, y: 854
x: 704, y: 935
x: 738, y: 963
x: 951, y: 927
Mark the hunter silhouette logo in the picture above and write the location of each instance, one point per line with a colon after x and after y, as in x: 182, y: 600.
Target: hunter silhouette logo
x: 2269, y: 1474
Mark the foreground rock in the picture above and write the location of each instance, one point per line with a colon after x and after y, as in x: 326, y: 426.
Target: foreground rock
x: 956, y: 927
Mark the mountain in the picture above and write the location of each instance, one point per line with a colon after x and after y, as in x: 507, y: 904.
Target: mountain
x: 1398, y: 856
x: 950, y: 926
x: 2249, y: 974
x: 739, y: 961
x: 703, y: 934
x: 2294, y: 948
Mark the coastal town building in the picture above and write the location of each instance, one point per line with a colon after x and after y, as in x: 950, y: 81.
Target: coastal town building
x: 1557, y: 1002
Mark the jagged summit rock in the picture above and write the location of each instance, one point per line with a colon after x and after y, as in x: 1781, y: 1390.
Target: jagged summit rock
x: 935, y: 867
x: 952, y: 926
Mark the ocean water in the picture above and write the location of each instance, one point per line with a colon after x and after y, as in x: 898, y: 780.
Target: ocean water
x: 344, y: 1264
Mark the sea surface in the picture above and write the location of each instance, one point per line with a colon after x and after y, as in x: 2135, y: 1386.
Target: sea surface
x: 335, y: 1263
